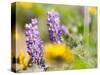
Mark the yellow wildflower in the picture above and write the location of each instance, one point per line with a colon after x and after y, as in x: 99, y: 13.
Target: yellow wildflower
x: 16, y: 36
x: 58, y: 54
x: 23, y: 59
x: 92, y: 10
x: 24, y: 4
x: 26, y: 59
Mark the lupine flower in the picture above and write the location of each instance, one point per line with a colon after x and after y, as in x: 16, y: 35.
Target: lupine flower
x: 57, y: 53
x: 34, y: 43
x: 54, y: 28
x: 82, y: 10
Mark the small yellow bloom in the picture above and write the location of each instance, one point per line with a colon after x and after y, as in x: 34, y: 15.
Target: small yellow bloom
x: 92, y: 10
x: 23, y: 58
x: 24, y: 4
x: 26, y: 59
x: 16, y: 36
x: 58, y: 54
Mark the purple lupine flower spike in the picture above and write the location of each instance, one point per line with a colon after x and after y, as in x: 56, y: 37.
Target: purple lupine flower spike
x: 34, y: 43
x: 54, y: 28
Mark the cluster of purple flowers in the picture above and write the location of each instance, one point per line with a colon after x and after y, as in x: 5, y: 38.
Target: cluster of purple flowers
x: 34, y: 43
x: 55, y: 29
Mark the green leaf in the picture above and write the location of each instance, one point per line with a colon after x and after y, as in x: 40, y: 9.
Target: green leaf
x: 79, y: 63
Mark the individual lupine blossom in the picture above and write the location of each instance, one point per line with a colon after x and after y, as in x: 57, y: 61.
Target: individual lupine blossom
x: 34, y: 43
x: 55, y: 29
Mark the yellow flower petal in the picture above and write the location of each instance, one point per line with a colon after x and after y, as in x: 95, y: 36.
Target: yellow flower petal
x: 24, y: 4
x: 26, y: 59
x: 92, y: 10
x: 16, y: 36
x: 21, y: 57
x: 58, y: 54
